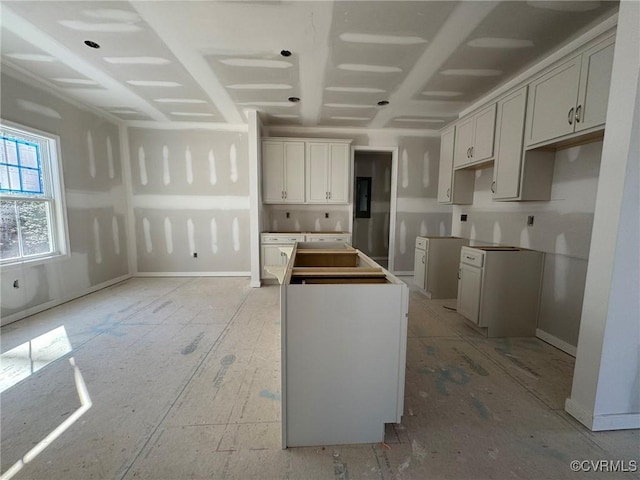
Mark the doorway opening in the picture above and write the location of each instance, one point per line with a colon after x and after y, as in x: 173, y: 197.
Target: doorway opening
x: 373, y: 203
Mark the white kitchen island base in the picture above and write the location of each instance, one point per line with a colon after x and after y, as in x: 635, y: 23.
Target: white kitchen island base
x: 343, y: 359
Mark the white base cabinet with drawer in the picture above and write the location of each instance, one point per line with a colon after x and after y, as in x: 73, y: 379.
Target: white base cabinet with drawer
x: 499, y: 289
x: 436, y: 265
x: 276, y: 248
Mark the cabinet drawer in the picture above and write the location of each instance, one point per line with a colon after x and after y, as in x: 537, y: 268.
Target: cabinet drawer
x: 282, y: 238
x: 471, y: 257
x: 328, y: 238
x: 421, y: 243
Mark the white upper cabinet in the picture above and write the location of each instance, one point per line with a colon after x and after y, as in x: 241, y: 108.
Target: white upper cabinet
x: 509, y: 136
x: 474, y: 138
x: 572, y: 97
x: 327, y: 172
x: 595, y: 80
x: 282, y: 172
x: 453, y: 186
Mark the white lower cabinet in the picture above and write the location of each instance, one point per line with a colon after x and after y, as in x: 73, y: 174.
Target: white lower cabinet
x: 420, y: 267
x: 499, y: 289
x: 469, y: 291
x: 276, y: 247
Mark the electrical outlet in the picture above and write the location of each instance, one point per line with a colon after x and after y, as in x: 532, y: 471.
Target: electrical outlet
x: 195, y: 254
x: 463, y: 217
x: 326, y: 215
x: 288, y: 214
x: 16, y: 284
x: 530, y: 220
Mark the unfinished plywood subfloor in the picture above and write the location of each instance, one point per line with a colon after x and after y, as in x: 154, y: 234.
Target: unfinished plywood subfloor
x: 184, y: 379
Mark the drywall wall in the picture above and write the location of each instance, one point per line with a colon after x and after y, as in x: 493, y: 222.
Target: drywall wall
x: 417, y: 212
x: 190, y: 195
x: 95, y: 200
x: 561, y: 229
x: 371, y: 235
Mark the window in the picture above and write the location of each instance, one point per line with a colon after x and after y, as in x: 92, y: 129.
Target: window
x: 32, y: 217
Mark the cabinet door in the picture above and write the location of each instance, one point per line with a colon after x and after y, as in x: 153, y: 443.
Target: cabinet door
x: 419, y: 268
x: 463, y: 142
x: 552, y: 103
x: 484, y: 129
x: 469, y: 288
x: 294, y: 172
x: 595, y: 80
x: 271, y: 255
x: 272, y: 172
x: 509, y: 136
x: 446, y: 166
x: 338, y: 171
x: 317, y: 167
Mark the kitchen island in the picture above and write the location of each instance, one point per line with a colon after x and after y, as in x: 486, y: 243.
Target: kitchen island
x: 344, y: 335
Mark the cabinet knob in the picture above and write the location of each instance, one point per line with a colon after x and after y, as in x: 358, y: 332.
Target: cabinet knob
x: 570, y: 116
x: 578, y: 113
x: 493, y: 187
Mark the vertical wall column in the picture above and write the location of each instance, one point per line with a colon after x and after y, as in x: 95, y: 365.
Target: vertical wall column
x: 255, y: 220
x: 605, y: 393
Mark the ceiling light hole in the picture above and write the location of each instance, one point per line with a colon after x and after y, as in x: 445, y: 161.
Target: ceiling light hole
x: 285, y: 53
x: 294, y: 99
x: 382, y: 103
x: 91, y: 44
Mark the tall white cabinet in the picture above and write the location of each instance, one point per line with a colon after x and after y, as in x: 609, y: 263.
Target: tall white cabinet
x: 283, y: 171
x: 328, y: 167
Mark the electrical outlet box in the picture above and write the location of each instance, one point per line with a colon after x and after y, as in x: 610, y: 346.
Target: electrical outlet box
x: 530, y: 220
x: 326, y: 215
x: 195, y: 254
x: 288, y: 214
x: 463, y: 217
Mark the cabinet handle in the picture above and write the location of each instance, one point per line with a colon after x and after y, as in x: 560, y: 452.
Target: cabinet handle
x: 282, y: 195
x: 285, y: 195
x: 423, y: 260
x: 570, y: 116
x: 472, y: 152
x: 459, y: 273
x: 493, y: 187
x: 448, y: 193
x: 469, y: 152
x: 578, y: 113
x: 329, y: 195
x: 469, y: 257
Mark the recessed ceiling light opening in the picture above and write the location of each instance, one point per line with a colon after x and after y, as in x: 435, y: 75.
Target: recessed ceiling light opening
x: 294, y: 99
x: 382, y: 103
x: 91, y: 44
x: 285, y: 53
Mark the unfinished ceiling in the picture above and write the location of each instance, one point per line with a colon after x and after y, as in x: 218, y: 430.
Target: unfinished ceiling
x: 195, y: 61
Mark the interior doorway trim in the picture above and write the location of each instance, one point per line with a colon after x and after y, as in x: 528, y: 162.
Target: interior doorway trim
x: 394, y: 194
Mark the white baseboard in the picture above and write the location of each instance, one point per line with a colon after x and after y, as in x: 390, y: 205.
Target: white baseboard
x: 193, y: 274
x: 598, y: 423
x: 556, y: 342
x: 14, y: 317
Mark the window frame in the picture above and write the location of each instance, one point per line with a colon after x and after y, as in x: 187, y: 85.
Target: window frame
x: 54, y: 195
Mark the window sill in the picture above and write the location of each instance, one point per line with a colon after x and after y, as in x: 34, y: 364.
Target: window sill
x: 34, y: 262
